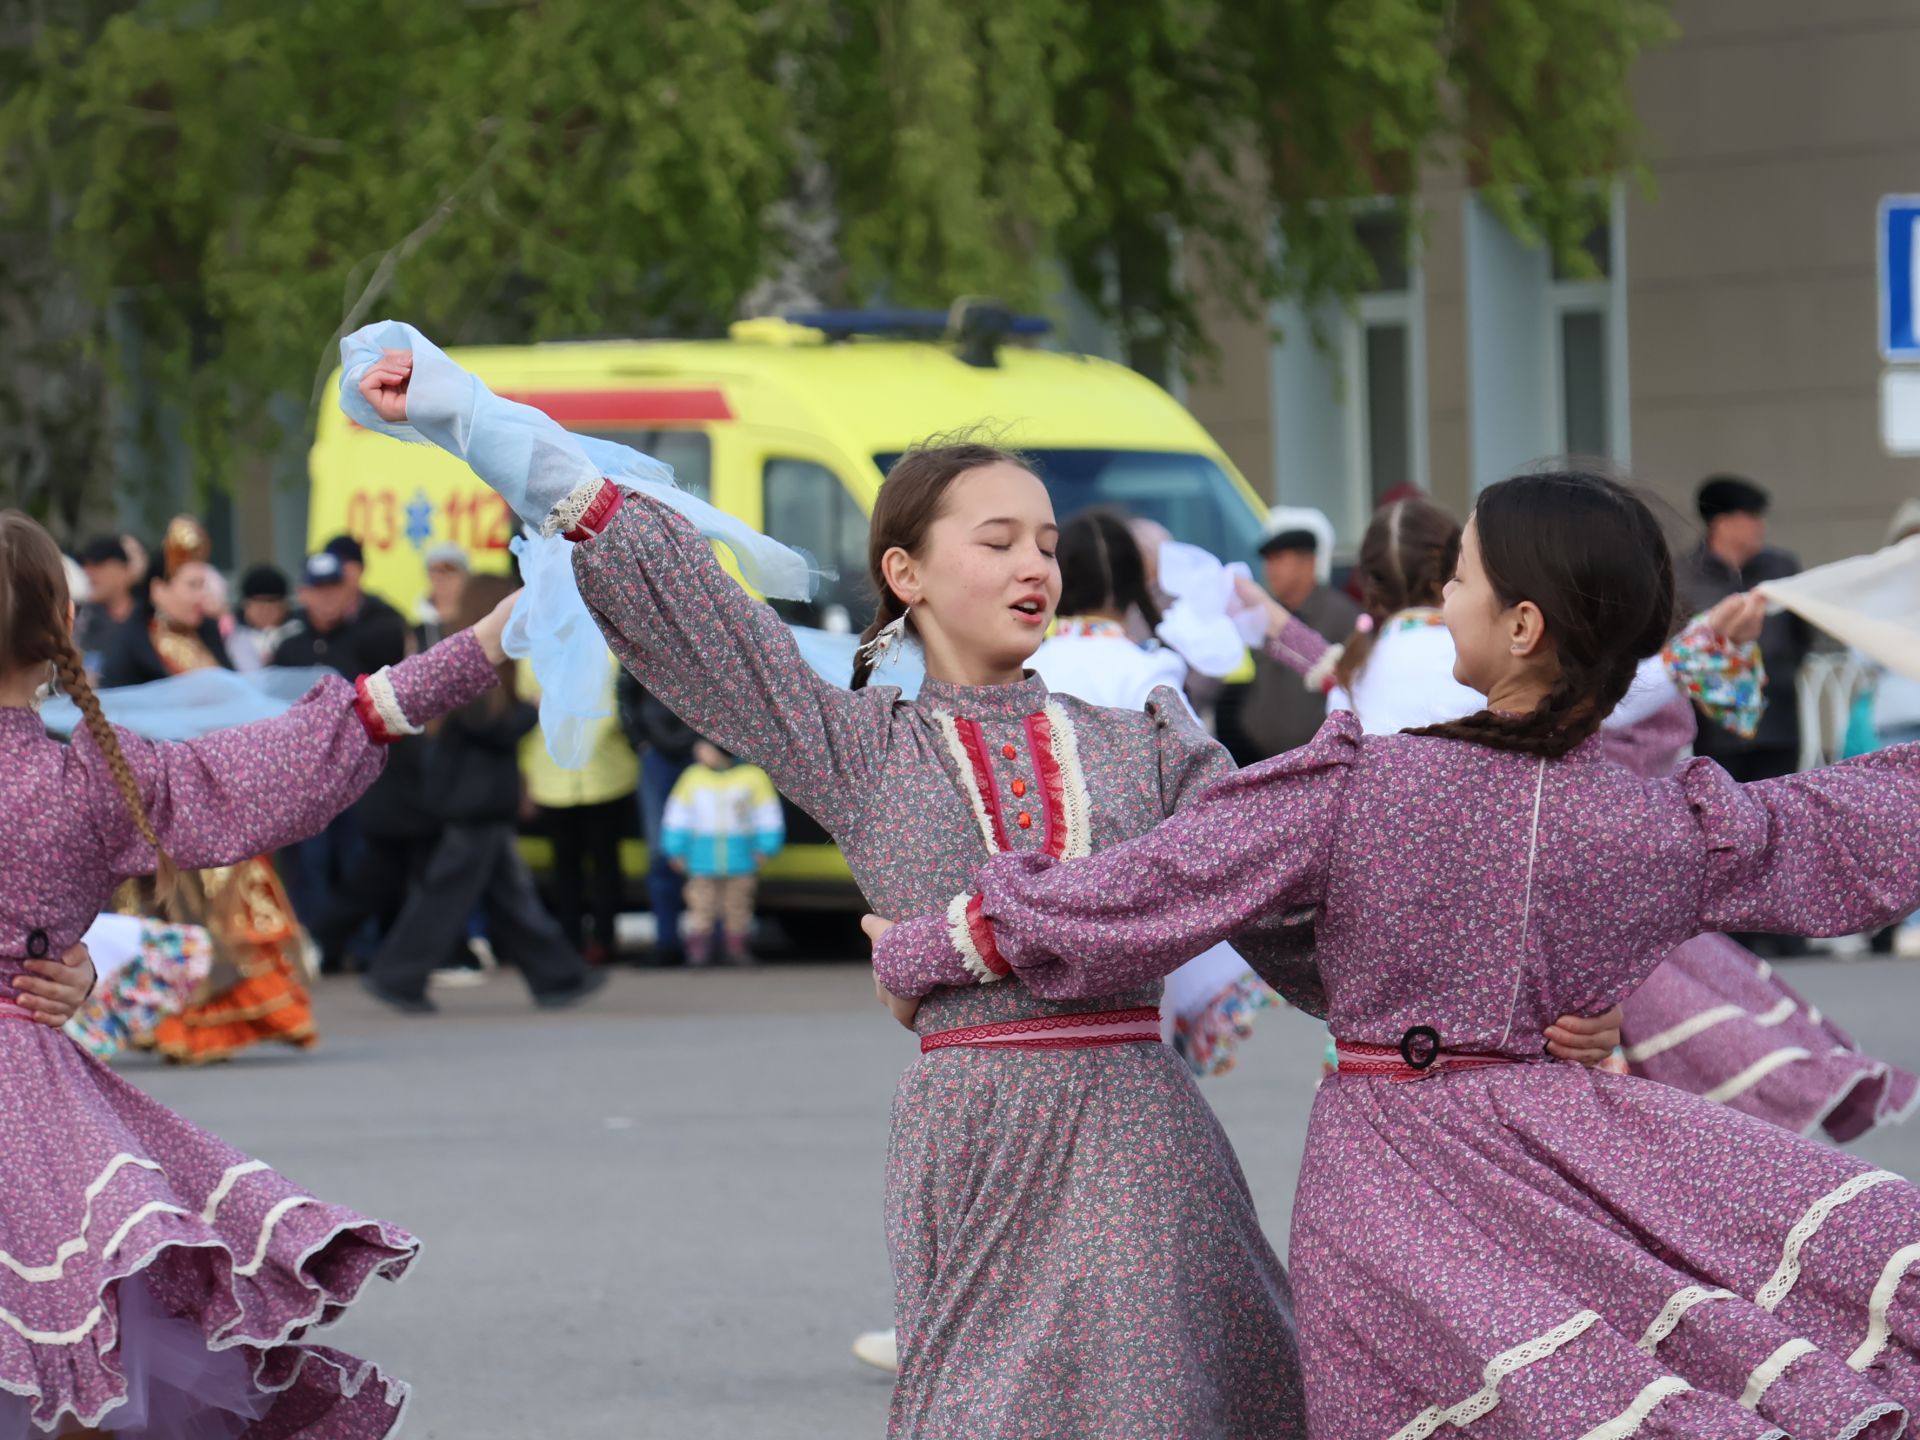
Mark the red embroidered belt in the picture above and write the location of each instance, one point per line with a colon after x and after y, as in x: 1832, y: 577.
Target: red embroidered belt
x: 1053, y: 1032
x: 11, y: 1011
x: 1409, y: 1061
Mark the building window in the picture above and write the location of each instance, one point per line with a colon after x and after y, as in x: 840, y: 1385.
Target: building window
x: 1384, y: 353
x: 807, y: 507
x: 1577, y: 311
x: 1546, y: 346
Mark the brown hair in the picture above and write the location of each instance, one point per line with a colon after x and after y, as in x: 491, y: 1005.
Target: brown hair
x: 478, y: 597
x: 1406, y: 558
x: 1589, y: 553
x: 1102, y: 568
x: 35, y: 630
x: 911, y: 498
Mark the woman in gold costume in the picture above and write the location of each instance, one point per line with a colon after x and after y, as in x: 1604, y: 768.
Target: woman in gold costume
x: 254, y: 991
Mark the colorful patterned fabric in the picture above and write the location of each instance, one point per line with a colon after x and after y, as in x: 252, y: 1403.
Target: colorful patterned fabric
x: 159, y: 981
x: 1079, y: 627
x: 1207, y: 1039
x: 1727, y: 681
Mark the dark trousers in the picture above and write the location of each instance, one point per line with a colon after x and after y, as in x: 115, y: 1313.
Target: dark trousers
x: 587, y: 837
x: 319, y: 865
x: 1766, y: 763
x: 657, y: 777
x: 476, y: 865
x: 375, y: 888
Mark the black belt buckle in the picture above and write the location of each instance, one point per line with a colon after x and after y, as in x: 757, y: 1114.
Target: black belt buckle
x: 1420, y: 1056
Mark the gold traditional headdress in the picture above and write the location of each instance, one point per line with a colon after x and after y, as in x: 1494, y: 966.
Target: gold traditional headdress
x: 186, y: 542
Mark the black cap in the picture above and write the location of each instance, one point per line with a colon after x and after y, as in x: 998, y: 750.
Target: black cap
x: 346, y: 549
x: 326, y: 568
x: 1729, y: 495
x: 263, y: 582
x: 1290, y: 540
x: 102, y: 550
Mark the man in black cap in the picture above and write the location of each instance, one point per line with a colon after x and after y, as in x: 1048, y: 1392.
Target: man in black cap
x: 1733, y: 559
x: 1279, y: 712
x: 318, y: 634
x: 337, y: 628
x: 363, y: 610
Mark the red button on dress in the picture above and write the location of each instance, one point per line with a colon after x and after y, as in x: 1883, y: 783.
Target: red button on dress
x: 1019, y: 788
x: 1009, y: 751
x: 1024, y: 820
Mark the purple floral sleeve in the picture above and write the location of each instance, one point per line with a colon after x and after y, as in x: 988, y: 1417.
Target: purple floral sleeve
x: 237, y: 793
x: 1277, y: 945
x: 920, y: 955
x: 1300, y: 648
x: 1832, y: 851
x: 1254, y: 846
x: 727, y: 665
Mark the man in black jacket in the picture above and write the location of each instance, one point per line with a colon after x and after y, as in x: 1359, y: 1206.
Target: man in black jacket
x: 472, y: 780
x: 335, y: 880
x: 362, y: 608
x: 338, y: 631
x: 1733, y: 559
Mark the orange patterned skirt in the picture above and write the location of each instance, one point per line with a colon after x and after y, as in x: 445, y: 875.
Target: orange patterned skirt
x: 260, y: 994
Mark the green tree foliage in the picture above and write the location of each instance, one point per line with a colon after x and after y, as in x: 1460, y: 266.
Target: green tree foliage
x: 247, y: 178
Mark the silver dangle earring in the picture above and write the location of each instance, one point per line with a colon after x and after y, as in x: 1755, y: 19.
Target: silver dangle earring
x: 884, y: 639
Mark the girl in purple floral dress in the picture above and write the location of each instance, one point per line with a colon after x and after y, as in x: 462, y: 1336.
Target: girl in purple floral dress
x: 155, y: 1281
x: 1485, y: 1241
x: 1075, y: 1253
x: 1713, y: 1018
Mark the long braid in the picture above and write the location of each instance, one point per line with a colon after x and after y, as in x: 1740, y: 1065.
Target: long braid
x: 1405, y: 559
x: 73, y: 681
x: 1570, y: 712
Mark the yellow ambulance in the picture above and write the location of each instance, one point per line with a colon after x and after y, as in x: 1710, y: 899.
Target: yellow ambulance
x: 790, y: 424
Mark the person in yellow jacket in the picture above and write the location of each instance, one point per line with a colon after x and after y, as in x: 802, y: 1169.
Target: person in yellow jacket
x: 723, y: 823
x: 584, y: 812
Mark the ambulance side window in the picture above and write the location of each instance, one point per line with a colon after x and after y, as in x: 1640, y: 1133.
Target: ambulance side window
x: 805, y: 505
x: 688, y: 452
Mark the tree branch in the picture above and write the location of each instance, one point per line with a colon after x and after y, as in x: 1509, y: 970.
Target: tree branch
x: 311, y: 144
x: 397, y: 254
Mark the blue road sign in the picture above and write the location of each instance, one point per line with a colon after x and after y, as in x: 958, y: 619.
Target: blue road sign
x: 1900, y: 277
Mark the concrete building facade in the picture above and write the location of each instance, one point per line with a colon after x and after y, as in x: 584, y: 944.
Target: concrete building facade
x: 1734, y: 328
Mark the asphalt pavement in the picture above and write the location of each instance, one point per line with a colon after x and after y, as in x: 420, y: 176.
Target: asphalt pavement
x: 659, y: 1216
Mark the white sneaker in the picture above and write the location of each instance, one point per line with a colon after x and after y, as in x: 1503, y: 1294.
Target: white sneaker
x: 879, y: 1349
x: 461, y: 977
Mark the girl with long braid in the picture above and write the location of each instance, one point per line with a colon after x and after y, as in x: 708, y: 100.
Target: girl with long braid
x: 1485, y: 1241
x: 1713, y: 1018
x: 154, y: 1280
